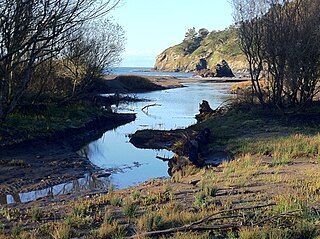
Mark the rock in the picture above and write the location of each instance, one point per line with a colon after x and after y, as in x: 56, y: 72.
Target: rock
x: 206, y: 73
x: 223, y: 70
x: 202, y: 64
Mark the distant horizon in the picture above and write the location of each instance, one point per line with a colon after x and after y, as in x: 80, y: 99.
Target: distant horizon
x: 132, y: 67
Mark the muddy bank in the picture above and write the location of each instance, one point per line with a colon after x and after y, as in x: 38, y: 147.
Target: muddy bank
x: 43, y: 162
x: 136, y: 84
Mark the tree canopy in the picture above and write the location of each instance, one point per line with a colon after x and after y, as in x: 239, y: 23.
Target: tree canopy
x: 280, y: 39
x: 34, y: 32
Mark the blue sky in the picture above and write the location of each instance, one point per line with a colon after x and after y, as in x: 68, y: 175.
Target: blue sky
x: 151, y: 26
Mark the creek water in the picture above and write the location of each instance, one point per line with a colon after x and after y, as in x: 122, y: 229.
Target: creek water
x: 113, y: 153
x: 174, y: 108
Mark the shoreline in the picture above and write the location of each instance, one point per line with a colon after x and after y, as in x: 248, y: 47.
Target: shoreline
x: 237, y: 197
x: 44, y: 162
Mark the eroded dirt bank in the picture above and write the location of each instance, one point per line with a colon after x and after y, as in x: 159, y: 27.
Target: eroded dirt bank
x: 43, y: 162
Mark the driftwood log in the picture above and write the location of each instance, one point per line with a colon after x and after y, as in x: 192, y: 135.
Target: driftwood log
x: 147, y: 106
x: 204, y: 111
x: 200, y: 224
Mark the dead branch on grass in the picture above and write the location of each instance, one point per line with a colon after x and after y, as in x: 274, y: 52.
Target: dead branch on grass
x: 195, y: 226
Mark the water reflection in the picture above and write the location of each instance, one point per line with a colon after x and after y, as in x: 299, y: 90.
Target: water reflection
x: 169, y: 109
x: 88, y: 182
x: 113, y: 152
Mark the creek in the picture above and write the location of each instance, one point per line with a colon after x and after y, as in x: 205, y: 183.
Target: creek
x: 115, y: 155
x: 172, y: 109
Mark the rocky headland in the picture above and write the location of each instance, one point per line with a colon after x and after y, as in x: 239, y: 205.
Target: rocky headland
x: 203, y: 50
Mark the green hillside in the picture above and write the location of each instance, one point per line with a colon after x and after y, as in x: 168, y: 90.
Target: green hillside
x: 213, y: 47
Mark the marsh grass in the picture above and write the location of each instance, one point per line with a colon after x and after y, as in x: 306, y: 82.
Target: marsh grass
x: 187, y: 170
x: 189, y: 235
x: 140, y: 83
x: 153, y: 198
x: 166, y: 216
x: 130, y: 209
x: 301, y: 230
x: 110, y: 231
x: 150, y: 221
x: 61, y: 231
x: 201, y: 200
x: 284, y: 149
x: 247, y: 128
x: 116, y: 200
x: 241, y: 171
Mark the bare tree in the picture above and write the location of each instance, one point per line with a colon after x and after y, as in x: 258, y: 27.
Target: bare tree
x: 96, y: 48
x: 251, y: 31
x: 280, y: 38
x: 32, y: 31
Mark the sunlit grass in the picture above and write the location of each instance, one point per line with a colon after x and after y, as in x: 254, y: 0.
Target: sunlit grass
x: 289, y: 147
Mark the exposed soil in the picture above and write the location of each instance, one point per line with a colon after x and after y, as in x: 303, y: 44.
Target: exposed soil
x: 259, y: 186
x: 43, y: 162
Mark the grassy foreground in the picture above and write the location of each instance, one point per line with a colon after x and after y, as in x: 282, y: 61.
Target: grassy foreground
x: 270, y: 190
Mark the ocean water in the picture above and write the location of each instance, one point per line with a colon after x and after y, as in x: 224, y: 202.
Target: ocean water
x: 147, y: 71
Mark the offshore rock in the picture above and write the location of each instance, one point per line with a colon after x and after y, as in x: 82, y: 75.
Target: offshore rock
x: 223, y: 70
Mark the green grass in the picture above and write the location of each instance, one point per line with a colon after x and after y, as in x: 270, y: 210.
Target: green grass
x: 255, y: 130
x: 22, y: 126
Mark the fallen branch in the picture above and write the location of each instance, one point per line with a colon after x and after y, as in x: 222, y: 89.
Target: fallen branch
x: 163, y: 158
x: 194, y: 226
x: 185, y: 228
x: 284, y: 214
x: 147, y: 106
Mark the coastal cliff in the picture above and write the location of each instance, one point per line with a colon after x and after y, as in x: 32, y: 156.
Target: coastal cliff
x: 203, y: 50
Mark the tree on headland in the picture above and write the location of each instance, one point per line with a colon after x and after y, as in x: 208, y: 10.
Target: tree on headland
x: 280, y: 40
x: 203, y: 32
x: 33, y: 33
x: 193, y: 39
x: 191, y: 34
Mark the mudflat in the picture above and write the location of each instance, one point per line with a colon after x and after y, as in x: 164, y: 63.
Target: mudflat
x: 47, y: 161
